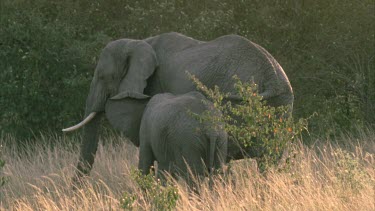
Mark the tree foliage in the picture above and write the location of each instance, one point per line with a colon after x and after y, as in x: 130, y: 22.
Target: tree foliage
x: 49, y: 48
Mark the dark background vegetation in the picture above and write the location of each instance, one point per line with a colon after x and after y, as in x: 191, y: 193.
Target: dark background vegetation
x: 49, y: 48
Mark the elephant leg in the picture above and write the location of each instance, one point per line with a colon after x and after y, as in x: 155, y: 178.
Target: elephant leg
x: 146, y: 158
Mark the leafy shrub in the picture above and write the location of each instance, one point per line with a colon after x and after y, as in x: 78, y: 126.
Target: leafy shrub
x: 161, y: 197
x: 349, y: 172
x: 253, y: 123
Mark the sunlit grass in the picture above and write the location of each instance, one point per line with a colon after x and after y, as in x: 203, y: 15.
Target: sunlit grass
x: 322, y: 177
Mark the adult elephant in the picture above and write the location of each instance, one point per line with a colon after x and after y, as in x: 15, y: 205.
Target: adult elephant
x: 132, y: 68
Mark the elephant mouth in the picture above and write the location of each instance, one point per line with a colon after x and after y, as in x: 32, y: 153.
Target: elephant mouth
x: 81, y: 124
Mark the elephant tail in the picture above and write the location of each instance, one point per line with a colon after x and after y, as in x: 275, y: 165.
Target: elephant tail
x: 211, y: 160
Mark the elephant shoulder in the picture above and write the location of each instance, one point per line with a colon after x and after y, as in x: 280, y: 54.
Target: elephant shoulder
x: 159, y: 99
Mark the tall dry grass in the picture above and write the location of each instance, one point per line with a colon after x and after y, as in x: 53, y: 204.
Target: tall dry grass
x: 322, y: 177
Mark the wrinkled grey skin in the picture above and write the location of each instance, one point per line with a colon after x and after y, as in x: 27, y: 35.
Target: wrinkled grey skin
x: 172, y: 136
x: 159, y: 64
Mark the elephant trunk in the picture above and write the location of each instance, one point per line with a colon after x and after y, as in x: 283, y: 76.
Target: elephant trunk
x: 88, y: 147
x: 95, y: 103
x: 91, y: 111
x: 97, y: 97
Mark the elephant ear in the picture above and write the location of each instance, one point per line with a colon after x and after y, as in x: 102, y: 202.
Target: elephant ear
x: 124, y: 112
x: 141, y: 63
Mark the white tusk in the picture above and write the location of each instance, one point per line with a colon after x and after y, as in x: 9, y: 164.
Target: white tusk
x: 79, y: 125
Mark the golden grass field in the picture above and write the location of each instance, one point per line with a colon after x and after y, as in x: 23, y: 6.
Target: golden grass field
x: 321, y: 177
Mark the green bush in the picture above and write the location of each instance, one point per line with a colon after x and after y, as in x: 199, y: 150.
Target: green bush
x: 252, y: 122
x: 349, y: 172
x: 160, y: 197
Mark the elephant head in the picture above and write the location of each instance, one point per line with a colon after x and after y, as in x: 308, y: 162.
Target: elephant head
x: 123, y: 67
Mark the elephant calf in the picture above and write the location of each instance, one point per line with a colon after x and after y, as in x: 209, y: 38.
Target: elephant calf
x: 178, y: 141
